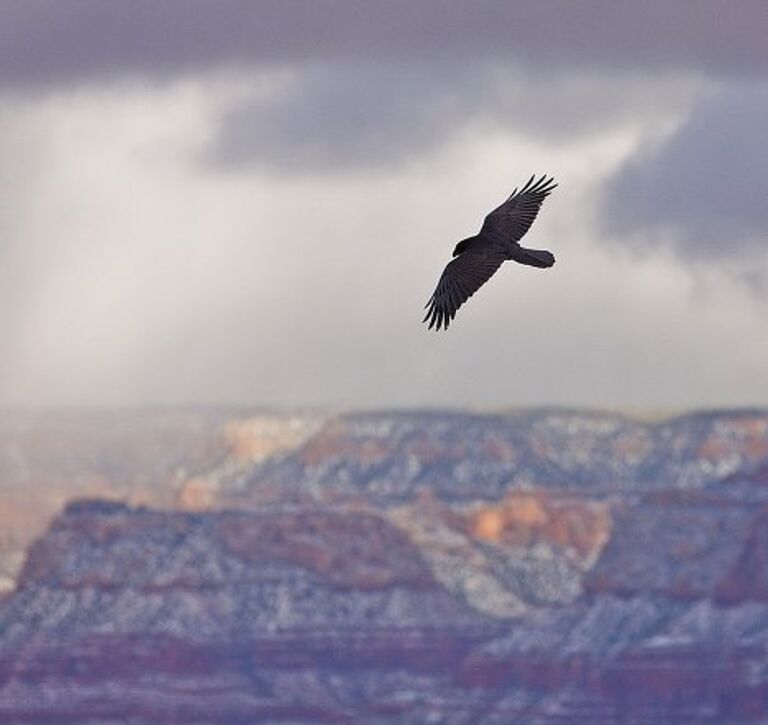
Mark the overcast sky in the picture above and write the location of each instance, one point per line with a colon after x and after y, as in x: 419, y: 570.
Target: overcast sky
x: 250, y: 202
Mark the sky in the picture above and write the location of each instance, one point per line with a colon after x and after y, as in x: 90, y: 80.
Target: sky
x: 235, y: 202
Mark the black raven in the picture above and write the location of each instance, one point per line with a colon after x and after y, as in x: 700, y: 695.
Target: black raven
x: 478, y: 257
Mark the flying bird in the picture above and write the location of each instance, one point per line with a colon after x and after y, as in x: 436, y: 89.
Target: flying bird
x: 477, y: 258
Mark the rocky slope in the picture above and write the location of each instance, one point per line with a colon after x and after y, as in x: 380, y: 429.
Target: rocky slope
x: 237, y: 615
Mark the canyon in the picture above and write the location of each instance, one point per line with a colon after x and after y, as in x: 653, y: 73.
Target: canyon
x: 537, y: 566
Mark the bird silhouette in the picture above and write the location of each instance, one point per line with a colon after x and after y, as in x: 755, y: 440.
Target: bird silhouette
x: 478, y: 257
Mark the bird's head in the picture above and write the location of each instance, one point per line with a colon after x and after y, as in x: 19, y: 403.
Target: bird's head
x: 462, y: 246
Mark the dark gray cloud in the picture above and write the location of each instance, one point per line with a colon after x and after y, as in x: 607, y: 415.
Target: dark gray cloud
x: 704, y: 190
x: 346, y: 116
x: 375, y: 83
x: 53, y: 42
x: 336, y: 117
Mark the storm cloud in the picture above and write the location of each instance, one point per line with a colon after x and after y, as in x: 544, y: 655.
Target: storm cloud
x: 53, y: 42
x: 333, y: 118
x: 703, y: 191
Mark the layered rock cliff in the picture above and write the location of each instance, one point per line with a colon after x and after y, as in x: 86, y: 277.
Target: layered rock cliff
x: 318, y: 615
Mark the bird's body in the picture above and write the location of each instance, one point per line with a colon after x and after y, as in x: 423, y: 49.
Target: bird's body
x: 477, y: 258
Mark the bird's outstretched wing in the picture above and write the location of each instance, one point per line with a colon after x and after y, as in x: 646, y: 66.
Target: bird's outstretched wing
x: 461, y: 278
x: 512, y: 219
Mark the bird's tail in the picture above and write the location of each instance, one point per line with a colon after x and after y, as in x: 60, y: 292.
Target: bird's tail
x: 534, y: 257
